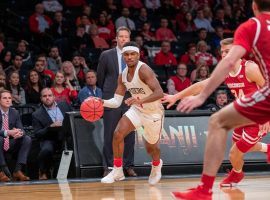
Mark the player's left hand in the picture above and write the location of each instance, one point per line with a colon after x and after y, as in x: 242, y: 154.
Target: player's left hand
x: 132, y: 100
x: 189, y: 103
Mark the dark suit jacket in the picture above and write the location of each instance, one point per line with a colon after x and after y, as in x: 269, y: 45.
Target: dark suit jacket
x: 42, y: 120
x: 108, y: 72
x: 14, y: 120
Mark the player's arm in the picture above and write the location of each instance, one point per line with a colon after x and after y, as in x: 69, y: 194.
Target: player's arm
x: 253, y: 74
x: 116, y: 101
x: 190, y: 91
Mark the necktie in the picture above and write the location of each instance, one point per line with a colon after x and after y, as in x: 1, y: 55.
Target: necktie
x: 127, y: 23
x: 5, y: 127
x: 123, y: 63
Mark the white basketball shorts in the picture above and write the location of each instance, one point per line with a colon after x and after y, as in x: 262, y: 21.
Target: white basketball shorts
x: 152, y: 123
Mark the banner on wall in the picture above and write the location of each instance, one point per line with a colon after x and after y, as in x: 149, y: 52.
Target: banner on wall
x: 182, y: 141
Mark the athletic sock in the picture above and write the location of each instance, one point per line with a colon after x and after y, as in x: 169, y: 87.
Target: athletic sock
x: 237, y: 171
x: 207, y: 183
x: 155, y: 162
x: 118, y: 162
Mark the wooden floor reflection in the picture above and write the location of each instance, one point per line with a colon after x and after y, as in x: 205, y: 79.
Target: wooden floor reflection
x: 253, y: 187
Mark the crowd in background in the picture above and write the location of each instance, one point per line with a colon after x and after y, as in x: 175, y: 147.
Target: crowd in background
x: 59, y: 41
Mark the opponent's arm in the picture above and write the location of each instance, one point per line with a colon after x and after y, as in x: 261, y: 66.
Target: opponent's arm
x: 253, y: 74
x: 116, y: 101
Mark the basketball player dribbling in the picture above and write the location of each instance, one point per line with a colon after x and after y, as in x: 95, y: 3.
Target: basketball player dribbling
x: 245, y: 77
x: 145, y: 110
x: 253, y: 35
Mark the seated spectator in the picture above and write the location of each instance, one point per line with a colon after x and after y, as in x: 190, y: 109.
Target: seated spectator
x: 14, y: 86
x: 86, y: 15
x: 80, y: 67
x: 17, y: 61
x: 189, y: 57
x: 91, y: 89
x: 141, y: 19
x: 180, y: 81
x: 105, y: 28
x: 143, y: 50
x: 146, y: 33
x: 98, y: 42
x: 201, y: 22
x: 221, y: 21
x: 70, y: 74
x: 221, y: 100
x: 54, y: 60
x: 5, y: 58
x: 167, y: 10
x: 47, y: 123
x: 187, y: 24
x: 33, y: 88
x: 62, y: 89
x: 38, y: 22
x: 13, y: 140
x: 46, y: 75
x: 74, y: 3
x: 60, y: 28
x: 152, y: 5
x: 52, y: 5
x: 165, y: 33
x: 202, y: 54
x: 202, y: 35
x: 112, y: 9
x: 165, y: 56
x: 124, y: 20
x: 135, y: 4
x: 200, y: 73
x: 2, y: 80
x: 81, y: 39
x: 85, y: 22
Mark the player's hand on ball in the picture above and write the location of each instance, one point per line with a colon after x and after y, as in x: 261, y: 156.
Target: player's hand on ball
x: 170, y: 99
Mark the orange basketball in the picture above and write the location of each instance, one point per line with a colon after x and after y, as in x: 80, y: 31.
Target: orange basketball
x: 91, y: 109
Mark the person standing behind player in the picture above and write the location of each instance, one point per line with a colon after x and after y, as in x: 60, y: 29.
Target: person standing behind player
x: 253, y: 35
x: 244, y: 78
x: 110, y: 65
x: 145, y: 110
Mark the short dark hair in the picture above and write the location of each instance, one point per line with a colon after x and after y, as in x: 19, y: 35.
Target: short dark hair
x: 263, y: 5
x: 131, y: 43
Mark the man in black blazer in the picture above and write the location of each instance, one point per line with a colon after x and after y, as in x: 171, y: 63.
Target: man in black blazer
x: 12, y: 139
x: 110, y: 65
x: 47, y: 124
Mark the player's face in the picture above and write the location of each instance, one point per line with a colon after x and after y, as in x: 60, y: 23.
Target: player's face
x: 131, y: 58
x: 224, y: 50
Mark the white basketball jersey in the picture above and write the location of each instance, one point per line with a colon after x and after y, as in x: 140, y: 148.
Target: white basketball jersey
x: 139, y: 90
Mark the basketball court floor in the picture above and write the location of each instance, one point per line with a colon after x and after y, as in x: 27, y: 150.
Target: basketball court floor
x: 255, y: 186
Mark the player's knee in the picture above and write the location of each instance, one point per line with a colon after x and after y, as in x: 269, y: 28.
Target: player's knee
x: 216, y: 122
x: 235, y: 153
x: 118, y: 136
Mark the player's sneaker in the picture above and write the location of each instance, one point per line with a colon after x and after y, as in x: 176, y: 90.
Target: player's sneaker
x: 116, y: 174
x: 232, y: 179
x: 193, y: 194
x: 155, y: 174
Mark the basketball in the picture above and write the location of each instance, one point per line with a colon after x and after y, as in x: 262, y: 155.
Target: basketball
x: 92, y: 109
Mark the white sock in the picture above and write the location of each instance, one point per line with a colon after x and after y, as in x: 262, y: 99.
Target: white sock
x: 237, y: 171
x: 264, y: 147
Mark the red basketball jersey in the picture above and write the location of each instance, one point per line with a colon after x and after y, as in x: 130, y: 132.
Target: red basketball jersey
x: 238, y: 83
x: 253, y: 35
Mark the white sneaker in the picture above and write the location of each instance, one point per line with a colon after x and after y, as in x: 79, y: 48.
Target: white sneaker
x: 116, y: 174
x: 155, y: 174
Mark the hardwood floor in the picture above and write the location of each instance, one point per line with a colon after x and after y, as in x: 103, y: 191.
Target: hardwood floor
x: 252, y: 187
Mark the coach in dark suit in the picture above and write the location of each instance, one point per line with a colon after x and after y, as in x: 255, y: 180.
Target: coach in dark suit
x: 12, y: 139
x: 111, y: 64
x: 47, y: 123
